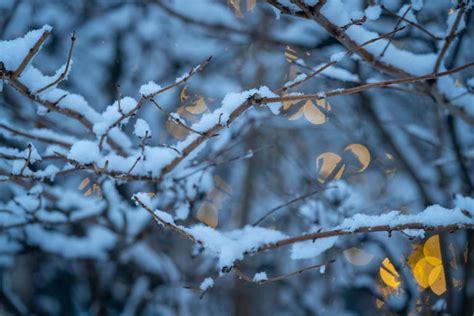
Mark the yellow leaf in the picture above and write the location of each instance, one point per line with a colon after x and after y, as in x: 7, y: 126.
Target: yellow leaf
x: 358, y: 257
x: 84, y: 183
x: 183, y: 94
x: 422, y: 271
x: 208, y: 214
x: 176, y: 130
x: 198, y: 107
x: 313, y: 114
x: 415, y: 256
x: 325, y: 165
x: 290, y: 54
x: 362, y: 154
x: 388, y: 274
x: 297, y: 115
x: 437, y: 281
x: 432, y: 250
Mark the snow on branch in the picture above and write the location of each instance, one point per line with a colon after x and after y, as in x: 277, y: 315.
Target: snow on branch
x: 232, y: 246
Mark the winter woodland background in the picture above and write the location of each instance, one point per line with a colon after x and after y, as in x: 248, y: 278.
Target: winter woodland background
x: 140, y: 176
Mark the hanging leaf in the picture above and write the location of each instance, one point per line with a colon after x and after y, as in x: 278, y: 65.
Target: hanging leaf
x: 388, y: 274
x: 290, y: 54
x: 361, y: 153
x: 84, y: 183
x: 312, y: 113
x: 437, y: 280
x: 198, y: 107
x: 422, y: 271
x: 326, y: 164
x: 208, y: 214
x: 183, y: 94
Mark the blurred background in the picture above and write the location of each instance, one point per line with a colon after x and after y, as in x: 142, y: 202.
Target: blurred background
x: 371, y: 152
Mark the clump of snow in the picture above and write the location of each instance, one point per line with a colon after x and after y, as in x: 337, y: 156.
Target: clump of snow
x: 310, y: 249
x: 84, y: 152
x: 166, y: 217
x: 417, y: 4
x: 356, y: 15
x: 470, y: 82
x: 113, y: 113
x: 206, y: 284
x: 298, y: 78
x: 465, y: 203
x: 322, y: 269
x: 149, y: 89
x: 144, y: 198
x: 373, y: 12
x: 338, y: 74
x: 440, y: 305
x: 93, y: 245
x: 142, y: 129
x: 231, y: 246
x: 338, y: 56
x: 260, y: 277
x: 13, y: 52
x: 182, y: 212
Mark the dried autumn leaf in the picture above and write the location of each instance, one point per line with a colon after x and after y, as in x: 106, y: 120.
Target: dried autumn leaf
x: 84, y: 183
x: 312, y: 113
x: 432, y: 251
x: 290, y: 54
x: 422, y: 271
x: 208, y: 214
x: 326, y: 164
x: 176, y: 130
x: 183, y: 94
x: 388, y: 274
x: 362, y: 154
x: 437, y: 280
x: 198, y: 107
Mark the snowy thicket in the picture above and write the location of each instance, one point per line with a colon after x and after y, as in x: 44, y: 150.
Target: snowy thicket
x: 183, y: 157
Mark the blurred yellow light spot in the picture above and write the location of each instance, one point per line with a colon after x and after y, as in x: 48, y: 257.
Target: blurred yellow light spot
x: 421, y: 272
x: 388, y: 274
x: 428, y: 271
x: 362, y: 154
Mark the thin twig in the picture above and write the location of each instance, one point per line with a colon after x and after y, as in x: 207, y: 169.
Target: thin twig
x: 31, y: 53
x: 276, y: 208
x: 246, y: 278
x: 66, y: 70
x: 449, y: 39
